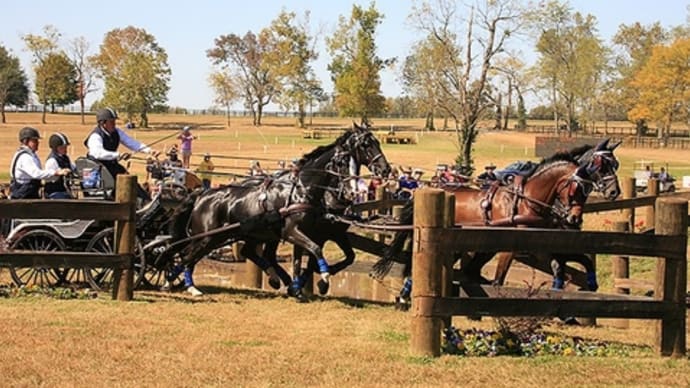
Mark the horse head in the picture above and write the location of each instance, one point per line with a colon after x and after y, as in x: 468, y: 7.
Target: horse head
x: 598, y: 169
x: 365, y: 150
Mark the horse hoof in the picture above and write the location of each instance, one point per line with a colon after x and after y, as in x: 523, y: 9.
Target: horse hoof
x: 401, y: 305
x: 274, y: 283
x: 571, y: 321
x: 323, y: 287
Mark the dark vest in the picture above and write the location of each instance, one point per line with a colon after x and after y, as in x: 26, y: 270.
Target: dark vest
x: 59, y: 185
x: 110, y: 142
x: 28, y: 190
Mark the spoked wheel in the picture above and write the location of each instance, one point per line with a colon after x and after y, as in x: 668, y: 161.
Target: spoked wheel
x: 101, y: 279
x: 154, y: 278
x: 43, y: 241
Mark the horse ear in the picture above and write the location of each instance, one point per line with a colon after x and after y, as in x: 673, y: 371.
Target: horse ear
x: 355, y: 127
x: 603, y: 145
x: 613, y: 147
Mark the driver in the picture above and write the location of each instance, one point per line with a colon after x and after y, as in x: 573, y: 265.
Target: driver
x: 103, y: 141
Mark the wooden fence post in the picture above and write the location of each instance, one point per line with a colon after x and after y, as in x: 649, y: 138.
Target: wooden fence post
x: 125, y: 232
x: 653, y: 190
x: 620, y: 269
x: 449, y: 260
x: 671, y: 277
x: 427, y: 261
x: 629, y: 192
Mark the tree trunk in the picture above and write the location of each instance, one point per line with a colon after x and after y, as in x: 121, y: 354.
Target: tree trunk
x: 499, y: 113
x: 259, y: 113
x: 509, y: 105
x: 81, y: 109
x: 43, y: 116
x: 144, y: 120
x: 227, y: 115
x: 301, y: 115
x: 2, y: 113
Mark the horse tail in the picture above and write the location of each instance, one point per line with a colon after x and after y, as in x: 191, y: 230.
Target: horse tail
x: 394, y: 253
x: 180, y: 218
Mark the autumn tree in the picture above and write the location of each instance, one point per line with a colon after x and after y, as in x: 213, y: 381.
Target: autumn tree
x: 355, y: 67
x: 85, y: 71
x: 225, y: 91
x: 135, y: 71
x: 292, y: 56
x: 244, y: 60
x: 13, y: 83
x: 663, y: 85
x: 632, y: 47
x: 466, y: 59
x: 41, y: 47
x: 572, y: 59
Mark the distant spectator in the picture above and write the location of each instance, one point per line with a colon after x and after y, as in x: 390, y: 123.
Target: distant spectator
x: 255, y: 168
x: 406, y: 185
x: 374, y: 183
x: 204, y: 169
x: 185, y: 139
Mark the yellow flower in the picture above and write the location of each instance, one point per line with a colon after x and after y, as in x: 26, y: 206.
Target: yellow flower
x: 568, y: 352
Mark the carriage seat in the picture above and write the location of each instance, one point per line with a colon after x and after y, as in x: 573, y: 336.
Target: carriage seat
x: 95, y: 179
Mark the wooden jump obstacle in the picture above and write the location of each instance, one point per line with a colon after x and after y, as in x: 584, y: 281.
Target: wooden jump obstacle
x: 433, y: 240
x: 122, y: 211
x: 395, y: 138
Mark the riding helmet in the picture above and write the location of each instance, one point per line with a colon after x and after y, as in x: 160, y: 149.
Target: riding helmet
x: 58, y: 139
x: 106, y: 114
x: 28, y: 133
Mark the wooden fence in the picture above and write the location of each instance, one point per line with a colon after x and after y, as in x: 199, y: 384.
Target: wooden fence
x: 432, y: 269
x: 122, y: 211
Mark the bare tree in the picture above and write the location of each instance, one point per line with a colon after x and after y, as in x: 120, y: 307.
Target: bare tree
x: 86, y: 72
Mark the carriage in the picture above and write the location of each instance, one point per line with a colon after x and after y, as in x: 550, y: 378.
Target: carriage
x: 93, y: 182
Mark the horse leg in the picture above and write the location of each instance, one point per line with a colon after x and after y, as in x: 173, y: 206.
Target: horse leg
x: 249, y: 251
x: 472, y: 269
x: 504, y: 261
x: 583, y: 260
x: 298, y: 238
x: 344, y: 243
x: 298, y: 279
x: 269, y: 253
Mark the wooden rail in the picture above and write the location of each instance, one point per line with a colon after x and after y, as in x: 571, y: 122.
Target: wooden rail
x: 433, y: 240
x: 122, y: 211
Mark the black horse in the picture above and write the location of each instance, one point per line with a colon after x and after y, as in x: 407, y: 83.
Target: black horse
x: 269, y: 211
x: 595, y: 169
x: 328, y: 173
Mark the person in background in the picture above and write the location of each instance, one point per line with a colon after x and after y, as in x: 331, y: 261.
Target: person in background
x: 25, y: 170
x: 373, y: 185
x: 487, y: 177
x: 56, y: 188
x: 186, y: 145
x: 407, y: 184
x: 205, y: 168
x: 255, y: 168
x: 103, y: 141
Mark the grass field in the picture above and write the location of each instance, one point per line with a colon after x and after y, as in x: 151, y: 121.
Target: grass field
x: 239, y: 337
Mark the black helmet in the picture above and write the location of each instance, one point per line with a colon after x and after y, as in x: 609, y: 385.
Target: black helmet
x: 106, y: 114
x: 28, y: 133
x: 58, y: 139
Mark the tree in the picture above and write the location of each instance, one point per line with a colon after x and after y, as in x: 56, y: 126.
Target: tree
x: 572, y: 59
x: 85, y: 71
x: 225, y: 90
x: 13, y: 83
x: 633, y: 46
x: 464, y: 94
x: 663, y: 85
x: 243, y: 59
x: 355, y: 66
x: 56, y: 81
x: 292, y: 55
x: 135, y: 71
x: 41, y: 46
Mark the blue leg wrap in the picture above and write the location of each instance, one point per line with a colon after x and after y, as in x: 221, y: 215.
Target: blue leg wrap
x: 298, y: 282
x: 188, y: 280
x: 592, y: 281
x: 174, y: 272
x: 557, y: 284
x: 406, y: 288
x: 323, y: 265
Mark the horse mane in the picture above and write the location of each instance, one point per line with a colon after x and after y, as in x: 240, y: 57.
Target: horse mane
x: 320, y: 150
x: 564, y: 156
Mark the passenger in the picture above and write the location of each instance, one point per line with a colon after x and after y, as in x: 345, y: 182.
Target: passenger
x: 103, y: 141
x: 25, y: 170
x: 487, y: 177
x: 407, y: 185
x: 56, y: 187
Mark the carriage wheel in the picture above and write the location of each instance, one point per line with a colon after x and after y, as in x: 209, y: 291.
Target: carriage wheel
x: 101, y: 279
x: 154, y: 278
x: 42, y: 241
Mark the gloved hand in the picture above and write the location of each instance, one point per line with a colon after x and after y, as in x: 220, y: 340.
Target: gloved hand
x: 124, y: 156
x: 63, y: 172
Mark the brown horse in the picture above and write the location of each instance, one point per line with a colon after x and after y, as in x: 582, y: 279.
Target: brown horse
x: 551, y: 196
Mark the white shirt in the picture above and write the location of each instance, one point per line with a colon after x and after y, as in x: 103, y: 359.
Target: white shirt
x: 28, y: 167
x: 95, y: 145
x: 52, y: 165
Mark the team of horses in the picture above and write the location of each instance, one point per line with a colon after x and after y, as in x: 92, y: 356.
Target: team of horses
x: 306, y: 206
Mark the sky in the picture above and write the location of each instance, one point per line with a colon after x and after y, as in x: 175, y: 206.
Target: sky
x: 187, y: 29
